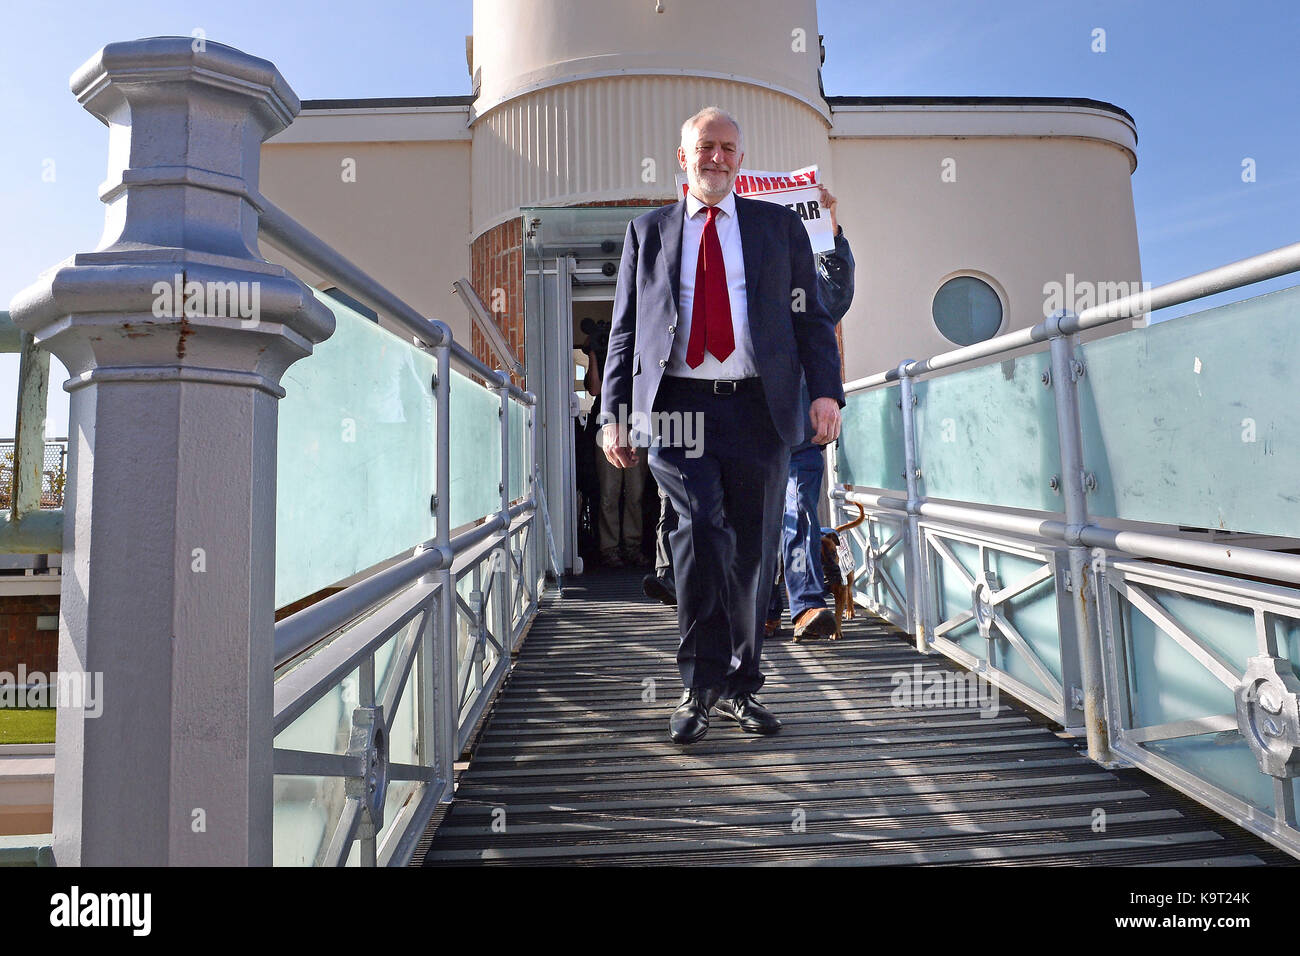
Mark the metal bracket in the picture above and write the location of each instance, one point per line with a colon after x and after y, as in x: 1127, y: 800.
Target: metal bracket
x: 369, y: 742
x: 1268, y: 714
x: 982, y: 604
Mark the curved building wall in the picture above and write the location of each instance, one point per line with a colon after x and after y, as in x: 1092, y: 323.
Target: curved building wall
x: 590, y: 141
x: 519, y: 45
x: 1022, y: 212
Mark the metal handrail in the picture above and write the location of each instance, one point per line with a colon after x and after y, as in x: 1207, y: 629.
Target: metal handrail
x: 301, y: 630
x: 1267, y: 265
x: 291, y: 236
x: 1232, y: 557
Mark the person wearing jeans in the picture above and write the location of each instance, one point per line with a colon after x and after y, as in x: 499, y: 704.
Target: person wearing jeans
x: 801, y: 549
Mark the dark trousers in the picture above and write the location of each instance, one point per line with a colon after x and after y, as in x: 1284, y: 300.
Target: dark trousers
x: 801, y: 537
x: 663, y: 528
x: 728, y: 490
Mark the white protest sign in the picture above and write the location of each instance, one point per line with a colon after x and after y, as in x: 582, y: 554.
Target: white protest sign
x: 797, y: 190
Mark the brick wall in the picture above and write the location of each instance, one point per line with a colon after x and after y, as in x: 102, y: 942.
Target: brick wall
x: 497, y: 262
x: 20, y: 642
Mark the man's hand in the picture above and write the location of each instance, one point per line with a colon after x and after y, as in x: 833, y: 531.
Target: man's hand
x: 829, y: 203
x: 621, y: 454
x: 825, y: 415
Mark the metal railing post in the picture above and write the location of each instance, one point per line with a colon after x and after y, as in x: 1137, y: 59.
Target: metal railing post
x: 175, y: 332
x: 446, y: 693
x: 916, y: 610
x: 501, y: 563
x: 1080, y: 586
x: 531, y: 553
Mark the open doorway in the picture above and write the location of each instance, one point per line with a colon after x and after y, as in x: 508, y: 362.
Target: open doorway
x: 571, y: 257
x: 617, y: 508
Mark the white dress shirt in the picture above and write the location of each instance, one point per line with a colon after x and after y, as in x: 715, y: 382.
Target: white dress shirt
x: 740, y: 363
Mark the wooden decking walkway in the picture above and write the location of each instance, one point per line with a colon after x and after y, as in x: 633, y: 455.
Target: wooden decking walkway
x: 573, y: 766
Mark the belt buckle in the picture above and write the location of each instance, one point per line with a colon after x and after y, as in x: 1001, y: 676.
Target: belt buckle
x: 719, y: 390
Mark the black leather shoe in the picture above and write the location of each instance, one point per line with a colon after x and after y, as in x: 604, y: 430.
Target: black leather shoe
x: 752, y: 716
x: 690, y: 721
x: 661, y: 589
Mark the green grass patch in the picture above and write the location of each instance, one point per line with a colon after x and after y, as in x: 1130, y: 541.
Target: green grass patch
x: 26, y: 725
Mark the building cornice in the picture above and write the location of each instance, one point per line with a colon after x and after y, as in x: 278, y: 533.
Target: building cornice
x: 993, y: 117
x: 390, y: 120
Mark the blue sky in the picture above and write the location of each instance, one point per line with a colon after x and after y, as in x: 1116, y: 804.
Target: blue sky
x: 1209, y: 83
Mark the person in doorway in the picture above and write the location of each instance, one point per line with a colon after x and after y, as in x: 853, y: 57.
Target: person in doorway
x: 621, y: 520
x: 660, y: 585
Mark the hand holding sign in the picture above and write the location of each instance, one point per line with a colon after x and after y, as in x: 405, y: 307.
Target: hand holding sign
x: 797, y: 190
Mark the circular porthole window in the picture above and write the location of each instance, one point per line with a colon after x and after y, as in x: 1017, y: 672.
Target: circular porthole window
x: 967, y: 310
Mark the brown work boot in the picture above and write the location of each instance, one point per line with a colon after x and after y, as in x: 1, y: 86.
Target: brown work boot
x: 815, y: 622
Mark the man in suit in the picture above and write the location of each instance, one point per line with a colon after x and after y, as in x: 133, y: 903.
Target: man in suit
x: 716, y: 318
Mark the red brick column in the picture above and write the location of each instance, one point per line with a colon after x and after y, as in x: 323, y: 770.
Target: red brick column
x: 497, y: 263
x: 20, y: 642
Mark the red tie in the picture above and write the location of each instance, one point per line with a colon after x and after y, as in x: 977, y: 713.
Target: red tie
x: 711, y: 308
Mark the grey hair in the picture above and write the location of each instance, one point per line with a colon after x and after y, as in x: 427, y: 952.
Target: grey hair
x: 713, y: 112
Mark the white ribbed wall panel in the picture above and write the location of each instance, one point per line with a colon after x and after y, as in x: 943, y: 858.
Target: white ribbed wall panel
x: 586, y: 141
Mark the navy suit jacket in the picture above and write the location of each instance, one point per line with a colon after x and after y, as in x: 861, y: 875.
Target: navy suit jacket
x: 789, y: 343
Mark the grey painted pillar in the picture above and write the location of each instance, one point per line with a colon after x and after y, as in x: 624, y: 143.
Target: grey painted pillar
x: 169, y: 537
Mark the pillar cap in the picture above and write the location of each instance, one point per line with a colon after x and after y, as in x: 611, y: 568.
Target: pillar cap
x: 102, y: 82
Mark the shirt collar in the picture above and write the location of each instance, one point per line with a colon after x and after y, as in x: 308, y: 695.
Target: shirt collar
x: 728, y: 205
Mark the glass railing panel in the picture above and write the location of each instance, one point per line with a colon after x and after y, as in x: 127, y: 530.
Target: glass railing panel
x: 988, y: 435
x: 306, y: 808
x: 1032, y: 613
x: 518, y: 450
x: 1191, y: 422
x: 1166, y: 684
x: 475, y: 452
x: 870, y: 449
x: 356, y: 456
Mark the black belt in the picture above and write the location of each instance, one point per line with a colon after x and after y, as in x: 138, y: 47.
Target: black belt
x: 714, y: 386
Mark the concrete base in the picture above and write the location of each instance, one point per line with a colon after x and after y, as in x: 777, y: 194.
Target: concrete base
x: 26, y: 789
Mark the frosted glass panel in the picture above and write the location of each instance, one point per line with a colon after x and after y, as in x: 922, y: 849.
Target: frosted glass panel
x: 307, y: 811
x: 870, y: 450
x: 356, y: 456
x: 475, y: 450
x: 1192, y: 421
x: 988, y: 435
x: 518, y: 450
x: 1224, y: 760
x: 1032, y: 613
x: 1166, y: 683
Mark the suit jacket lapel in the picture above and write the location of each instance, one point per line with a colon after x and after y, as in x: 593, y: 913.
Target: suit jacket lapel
x: 670, y: 234
x: 751, y: 242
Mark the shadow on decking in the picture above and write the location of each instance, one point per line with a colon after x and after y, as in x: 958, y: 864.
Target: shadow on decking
x: 574, y: 766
